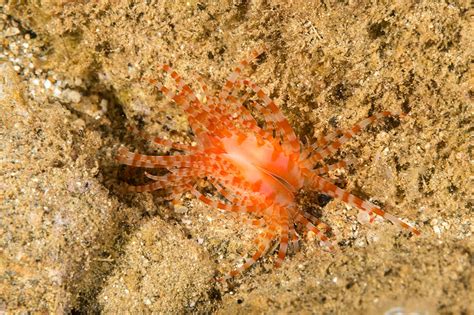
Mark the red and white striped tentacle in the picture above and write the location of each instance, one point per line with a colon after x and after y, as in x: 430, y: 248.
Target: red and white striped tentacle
x: 236, y: 73
x: 164, y: 183
x: 327, y: 188
x: 200, y: 116
x: 276, y: 118
x: 162, y: 142
x: 334, y: 145
x: 323, y: 227
x: 283, y: 224
x: 326, y: 168
x: 253, y: 201
x: 311, y: 227
x: 263, y: 240
x: 126, y: 157
x: 236, y: 208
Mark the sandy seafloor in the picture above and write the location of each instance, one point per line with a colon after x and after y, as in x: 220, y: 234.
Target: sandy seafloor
x: 71, y: 80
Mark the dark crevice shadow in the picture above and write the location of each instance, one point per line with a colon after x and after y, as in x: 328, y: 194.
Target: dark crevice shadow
x: 86, y: 288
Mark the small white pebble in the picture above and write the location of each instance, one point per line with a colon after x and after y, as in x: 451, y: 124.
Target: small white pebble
x: 36, y: 82
x: 180, y: 209
x: 72, y: 95
x: 16, y: 68
x: 147, y: 301
x: 372, y: 237
x: 363, y: 217
x: 360, y: 243
x: 47, y: 84
x: 11, y: 31
x: 396, y: 311
x: 103, y: 105
x: 57, y: 92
